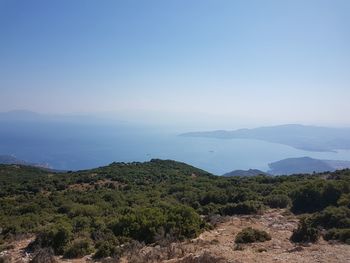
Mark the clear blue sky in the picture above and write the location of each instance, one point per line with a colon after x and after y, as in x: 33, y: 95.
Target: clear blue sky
x: 212, y: 61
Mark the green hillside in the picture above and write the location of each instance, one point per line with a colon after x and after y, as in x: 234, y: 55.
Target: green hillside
x: 98, y: 210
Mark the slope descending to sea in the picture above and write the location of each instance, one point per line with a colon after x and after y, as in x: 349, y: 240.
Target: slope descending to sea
x: 124, y: 209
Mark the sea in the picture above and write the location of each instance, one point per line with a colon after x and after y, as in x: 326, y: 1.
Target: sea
x: 71, y: 145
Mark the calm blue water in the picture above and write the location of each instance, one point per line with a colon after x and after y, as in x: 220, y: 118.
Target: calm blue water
x: 72, y: 146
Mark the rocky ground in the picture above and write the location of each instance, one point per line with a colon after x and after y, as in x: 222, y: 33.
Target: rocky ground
x: 218, y: 245
x: 279, y: 225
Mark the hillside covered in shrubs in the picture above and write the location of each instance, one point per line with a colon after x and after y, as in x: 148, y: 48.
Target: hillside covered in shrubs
x: 104, y: 210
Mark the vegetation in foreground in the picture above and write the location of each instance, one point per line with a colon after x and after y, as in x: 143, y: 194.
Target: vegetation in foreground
x: 251, y: 235
x: 103, y: 211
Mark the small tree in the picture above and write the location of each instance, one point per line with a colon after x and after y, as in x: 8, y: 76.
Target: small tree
x: 305, y: 232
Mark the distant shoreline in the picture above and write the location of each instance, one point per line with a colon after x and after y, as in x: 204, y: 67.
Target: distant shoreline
x: 307, y: 138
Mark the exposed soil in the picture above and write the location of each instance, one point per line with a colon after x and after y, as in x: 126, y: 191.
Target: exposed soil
x: 220, y: 243
x: 17, y: 253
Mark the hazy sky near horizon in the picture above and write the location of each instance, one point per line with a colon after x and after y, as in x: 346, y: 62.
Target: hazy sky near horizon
x: 208, y: 61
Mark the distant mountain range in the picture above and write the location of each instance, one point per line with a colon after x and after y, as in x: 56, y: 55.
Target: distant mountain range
x: 308, y: 138
x: 10, y: 159
x: 306, y: 165
x: 301, y: 165
x: 250, y: 172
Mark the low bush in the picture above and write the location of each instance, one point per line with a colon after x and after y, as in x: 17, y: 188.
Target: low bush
x: 342, y: 235
x: 344, y: 200
x: 314, y: 197
x: 214, y: 197
x: 56, y: 237
x: 251, y: 235
x: 305, y: 232
x: 78, y: 248
x: 277, y: 201
x: 107, y: 249
x: 332, y: 217
x: 144, y: 224
x: 243, y: 208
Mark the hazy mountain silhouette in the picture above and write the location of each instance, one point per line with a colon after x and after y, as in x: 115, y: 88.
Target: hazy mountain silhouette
x: 306, y: 165
x: 250, y: 172
x: 10, y: 159
x: 309, y: 138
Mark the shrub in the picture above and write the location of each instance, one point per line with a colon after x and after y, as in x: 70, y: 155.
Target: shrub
x: 277, y: 201
x: 214, y: 197
x: 344, y: 200
x: 330, y: 194
x: 140, y: 224
x: 183, y: 222
x: 306, y: 199
x: 342, y: 235
x: 209, y: 209
x: 81, y: 223
x: 332, y: 217
x: 243, y: 208
x: 143, y: 224
x: 305, y: 232
x: 78, y: 248
x: 251, y: 235
x: 83, y: 210
x: 107, y: 249
x: 314, y: 197
x: 56, y: 237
